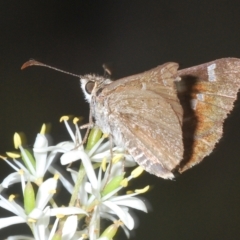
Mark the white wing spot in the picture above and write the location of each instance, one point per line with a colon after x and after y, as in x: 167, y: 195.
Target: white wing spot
x: 211, y: 72
x: 178, y: 79
x: 200, y: 96
x: 194, y: 104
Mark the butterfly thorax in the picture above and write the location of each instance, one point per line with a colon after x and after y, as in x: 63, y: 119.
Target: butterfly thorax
x: 104, y: 118
x: 100, y: 114
x: 98, y: 100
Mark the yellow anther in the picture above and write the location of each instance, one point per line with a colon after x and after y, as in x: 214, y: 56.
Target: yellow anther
x: 20, y: 171
x: 39, y: 181
x: 60, y: 215
x: 56, y: 176
x: 118, y: 223
x: 31, y: 220
x: 76, y: 120
x: 137, y: 171
x: 117, y: 158
x: 43, y: 129
x: 13, y: 155
x: 64, y: 118
x: 143, y: 190
x: 11, y: 197
x: 17, y: 140
x: 84, y: 236
x: 103, y: 164
x: 105, y: 135
x: 124, y: 182
x: 53, y: 191
x: 129, y: 192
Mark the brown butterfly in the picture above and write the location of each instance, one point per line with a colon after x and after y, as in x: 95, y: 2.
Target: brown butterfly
x: 167, y: 119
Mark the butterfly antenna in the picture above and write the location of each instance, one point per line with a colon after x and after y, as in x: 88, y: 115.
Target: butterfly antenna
x: 36, y: 63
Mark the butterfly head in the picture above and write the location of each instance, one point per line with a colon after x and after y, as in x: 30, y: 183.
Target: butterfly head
x: 91, y: 84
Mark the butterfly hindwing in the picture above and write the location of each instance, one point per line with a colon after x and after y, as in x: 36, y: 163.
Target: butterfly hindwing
x: 214, y: 87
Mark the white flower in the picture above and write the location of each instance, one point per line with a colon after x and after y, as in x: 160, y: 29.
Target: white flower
x: 38, y: 219
x: 93, y: 194
x: 112, y: 204
x: 99, y: 151
x: 108, y: 206
x: 33, y: 169
x: 95, y: 189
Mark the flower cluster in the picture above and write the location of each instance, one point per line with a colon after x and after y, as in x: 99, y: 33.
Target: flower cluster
x: 95, y: 192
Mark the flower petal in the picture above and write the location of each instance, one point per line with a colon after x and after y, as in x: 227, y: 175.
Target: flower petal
x: 69, y: 227
x: 20, y: 237
x: 70, y: 157
x: 8, y: 221
x: 124, y: 216
x: 67, y: 211
x: 130, y: 202
x: 11, y: 179
x: 45, y: 192
x: 12, y: 206
x: 40, y: 157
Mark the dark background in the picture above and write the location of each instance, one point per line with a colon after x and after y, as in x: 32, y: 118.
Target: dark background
x: 79, y: 36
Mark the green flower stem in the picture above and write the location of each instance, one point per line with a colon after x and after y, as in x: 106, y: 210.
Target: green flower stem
x: 81, y: 174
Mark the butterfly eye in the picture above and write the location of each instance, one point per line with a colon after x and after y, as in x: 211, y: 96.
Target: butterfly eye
x: 89, y: 87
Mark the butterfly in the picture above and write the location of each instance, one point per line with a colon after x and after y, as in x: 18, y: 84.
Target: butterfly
x: 167, y: 119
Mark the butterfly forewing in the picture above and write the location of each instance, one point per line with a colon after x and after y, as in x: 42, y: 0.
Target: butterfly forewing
x: 147, y: 111
x: 159, y: 80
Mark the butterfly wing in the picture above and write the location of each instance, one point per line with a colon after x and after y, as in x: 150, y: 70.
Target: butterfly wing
x: 160, y: 127
x: 146, y: 111
x: 207, y: 93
